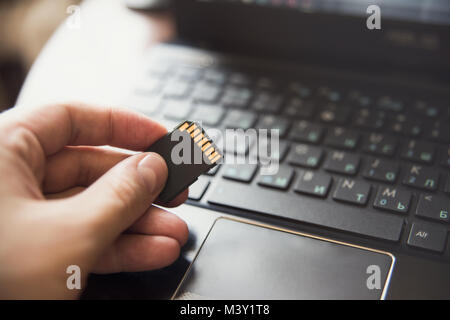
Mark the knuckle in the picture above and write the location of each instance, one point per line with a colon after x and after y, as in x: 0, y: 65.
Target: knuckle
x: 23, y: 144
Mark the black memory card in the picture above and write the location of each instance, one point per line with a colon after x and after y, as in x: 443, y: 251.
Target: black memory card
x: 188, y: 152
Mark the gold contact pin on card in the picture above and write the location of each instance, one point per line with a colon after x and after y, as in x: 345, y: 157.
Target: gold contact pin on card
x: 191, y: 128
x: 213, y: 155
x: 201, y: 143
x: 206, y: 146
x: 216, y: 158
x: 199, y: 137
x: 184, y: 126
x: 196, y: 132
x: 207, y: 152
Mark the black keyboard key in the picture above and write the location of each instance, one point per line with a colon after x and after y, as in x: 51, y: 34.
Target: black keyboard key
x: 369, y: 119
x: 439, y: 131
x: 359, y: 99
x: 305, y: 156
x: 299, y: 108
x: 393, y: 199
x: 405, y: 126
x: 304, y: 131
x: 239, y: 119
x: 198, y: 188
x: 428, y: 236
x: 267, y: 83
x: 268, y: 149
x: 379, y: 144
x: 447, y: 185
x: 445, y: 113
x: 419, y: 151
x: 300, y: 90
x: 421, y: 177
x: 332, y: 113
x: 240, y: 79
x: 240, y: 172
x: 188, y: 73
x: 328, y: 94
x: 208, y: 114
x: 236, y: 97
x: 342, y: 162
x: 177, y: 89
x: 381, y: 170
x: 176, y: 109
x: 267, y: 102
x: 426, y: 109
x: 206, y: 92
x: 214, y: 75
x: 307, y: 209
x: 342, y: 138
x: 281, y: 180
x: 434, y: 207
x: 352, y: 191
x: 445, y: 157
x: 270, y: 122
x: 313, y: 183
x: 389, y: 103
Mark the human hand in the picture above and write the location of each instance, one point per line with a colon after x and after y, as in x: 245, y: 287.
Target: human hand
x: 65, y: 202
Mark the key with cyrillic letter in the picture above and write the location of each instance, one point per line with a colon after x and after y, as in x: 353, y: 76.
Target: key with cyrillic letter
x: 433, y: 207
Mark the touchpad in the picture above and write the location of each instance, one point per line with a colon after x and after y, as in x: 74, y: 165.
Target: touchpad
x: 241, y: 260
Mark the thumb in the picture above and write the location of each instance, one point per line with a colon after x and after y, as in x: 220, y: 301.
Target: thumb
x: 123, y: 194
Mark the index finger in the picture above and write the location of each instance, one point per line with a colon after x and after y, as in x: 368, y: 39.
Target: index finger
x: 56, y: 126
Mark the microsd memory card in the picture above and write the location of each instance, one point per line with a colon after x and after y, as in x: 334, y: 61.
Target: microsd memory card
x: 188, y: 152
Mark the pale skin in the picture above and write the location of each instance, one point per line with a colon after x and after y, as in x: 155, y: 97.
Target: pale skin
x: 66, y: 201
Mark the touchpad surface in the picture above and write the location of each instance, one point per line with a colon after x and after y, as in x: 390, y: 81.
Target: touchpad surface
x: 240, y: 260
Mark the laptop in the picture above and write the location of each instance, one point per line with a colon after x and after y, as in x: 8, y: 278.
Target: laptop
x: 361, y: 109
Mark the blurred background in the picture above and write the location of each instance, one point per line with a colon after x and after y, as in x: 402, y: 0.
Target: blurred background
x: 25, y: 27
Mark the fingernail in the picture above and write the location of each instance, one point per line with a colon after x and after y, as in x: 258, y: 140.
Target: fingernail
x: 153, y: 170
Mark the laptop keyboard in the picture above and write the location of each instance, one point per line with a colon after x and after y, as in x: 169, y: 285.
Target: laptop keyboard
x: 371, y: 164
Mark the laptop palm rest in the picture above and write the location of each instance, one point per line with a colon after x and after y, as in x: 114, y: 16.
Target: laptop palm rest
x: 241, y: 260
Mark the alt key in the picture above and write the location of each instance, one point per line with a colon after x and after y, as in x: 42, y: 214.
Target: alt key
x: 428, y: 236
